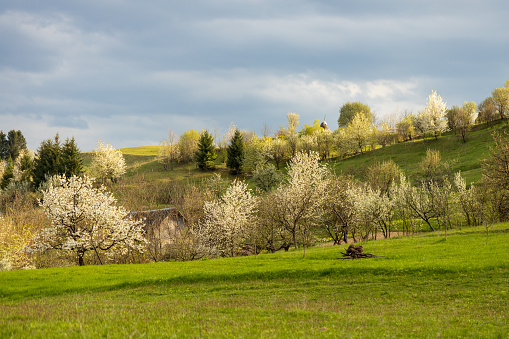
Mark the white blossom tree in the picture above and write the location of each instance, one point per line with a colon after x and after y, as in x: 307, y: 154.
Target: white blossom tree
x: 229, y: 220
x: 84, y: 218
x: 428, y: 202
x: 299, y: 202
x: 108, y: 162
x: 372, y: 209
x: 432, y: 118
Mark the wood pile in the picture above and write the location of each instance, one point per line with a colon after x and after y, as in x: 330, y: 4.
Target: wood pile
x: 356, y: 252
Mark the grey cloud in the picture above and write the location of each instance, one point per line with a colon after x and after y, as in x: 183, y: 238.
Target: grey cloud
x: 127, y: 71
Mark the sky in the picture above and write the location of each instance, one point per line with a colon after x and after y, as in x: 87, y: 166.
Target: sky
x: 128, y: 71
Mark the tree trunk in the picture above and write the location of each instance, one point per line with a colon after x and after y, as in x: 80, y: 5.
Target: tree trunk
x: 80, y: 258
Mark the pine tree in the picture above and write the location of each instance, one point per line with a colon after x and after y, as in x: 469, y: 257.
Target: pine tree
x: 236, y: 153
x: 206, y: 153
x: 8, y: 174
x: 48, y: 160
x: 71, y: 161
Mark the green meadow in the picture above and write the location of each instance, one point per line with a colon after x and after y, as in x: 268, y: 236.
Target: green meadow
x: 424, y: 285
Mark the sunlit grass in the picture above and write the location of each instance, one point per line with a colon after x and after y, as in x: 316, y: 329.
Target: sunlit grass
x: 419, y: 286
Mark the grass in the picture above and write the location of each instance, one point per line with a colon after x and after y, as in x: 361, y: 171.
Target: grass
x: 420, y: 286
x: 465, y: 157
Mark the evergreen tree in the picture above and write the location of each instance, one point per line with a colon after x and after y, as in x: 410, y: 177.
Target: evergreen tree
x: 11, y: 144
x: 48, y: 160
x: 8, y: 174
x: 236, y: 153
x: 53, y: 158
x: 206, y: 153
x: 4, y: 152
x: 72, y: 161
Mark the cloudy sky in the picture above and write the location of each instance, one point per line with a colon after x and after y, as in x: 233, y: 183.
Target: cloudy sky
x: 126, y: 71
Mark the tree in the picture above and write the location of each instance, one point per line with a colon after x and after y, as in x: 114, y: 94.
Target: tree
x: 405, y: 126
x: 465, y: 119
x: 311, y: 129
x: 4, y: 153
x: 227, y: 221
x: 169, y: 152
x: 384, y: 135
x: 324, y: 143
x: 338, y: 208
x: 108, y: 163
x: 432, y: 118
x: 8, y: 174
x: 381, y: 175
x: 84, y: 218
x: 359, y: 130
x: 235, y: 155
x: 349, y: 110
x: 23, y: 166
x: 487, y: 111
x: 292, y: 124
x: 290, y: 131
x: 501, y: 100
x: 452, y: 115
x: 433, y: 168
x: 47, y: 161
x: 495, y: 169
x: 460, y: 120
x: 71, y: 161
x: 427, y: 202
x: 53, y: 158
x: 371, y: 208
x: 468, y: 198
x: 11, y: 144
x: 206, y: 154
x: 188, y: 145
x: 267, y: 131
x: 277, y: 150
x: 266, y: 177
x: 298, y: 202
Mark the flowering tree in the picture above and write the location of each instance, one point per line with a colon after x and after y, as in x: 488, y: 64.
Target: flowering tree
x: 107, y: 162
x: 338, y: 213
x: 298, y: 203
x: 227, y: 220
x: 371, y: 209
x: 432, y: 118
x: 84, y: 218
x: 428, y: 202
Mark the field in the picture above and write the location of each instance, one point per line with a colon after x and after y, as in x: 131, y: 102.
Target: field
x: 420, y: 286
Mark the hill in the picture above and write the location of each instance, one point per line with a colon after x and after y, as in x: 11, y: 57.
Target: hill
x: 419, y: 286
x: 465, y: 157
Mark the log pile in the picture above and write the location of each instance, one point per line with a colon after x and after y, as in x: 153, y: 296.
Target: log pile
x: 356, y: 252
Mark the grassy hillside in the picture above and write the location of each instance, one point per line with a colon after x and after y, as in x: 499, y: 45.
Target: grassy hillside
x: 420, y: 286
x: 464, y: 157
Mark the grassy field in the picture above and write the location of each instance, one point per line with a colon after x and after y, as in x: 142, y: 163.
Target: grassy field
x: 419, y: 286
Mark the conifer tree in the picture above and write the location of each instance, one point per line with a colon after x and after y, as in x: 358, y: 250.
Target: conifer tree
x: 236, y: 153
x: 206, y: 153
x: 53, y: 158
x: 7, y: 175
x: 47, y: 162
x: 72, y: 161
